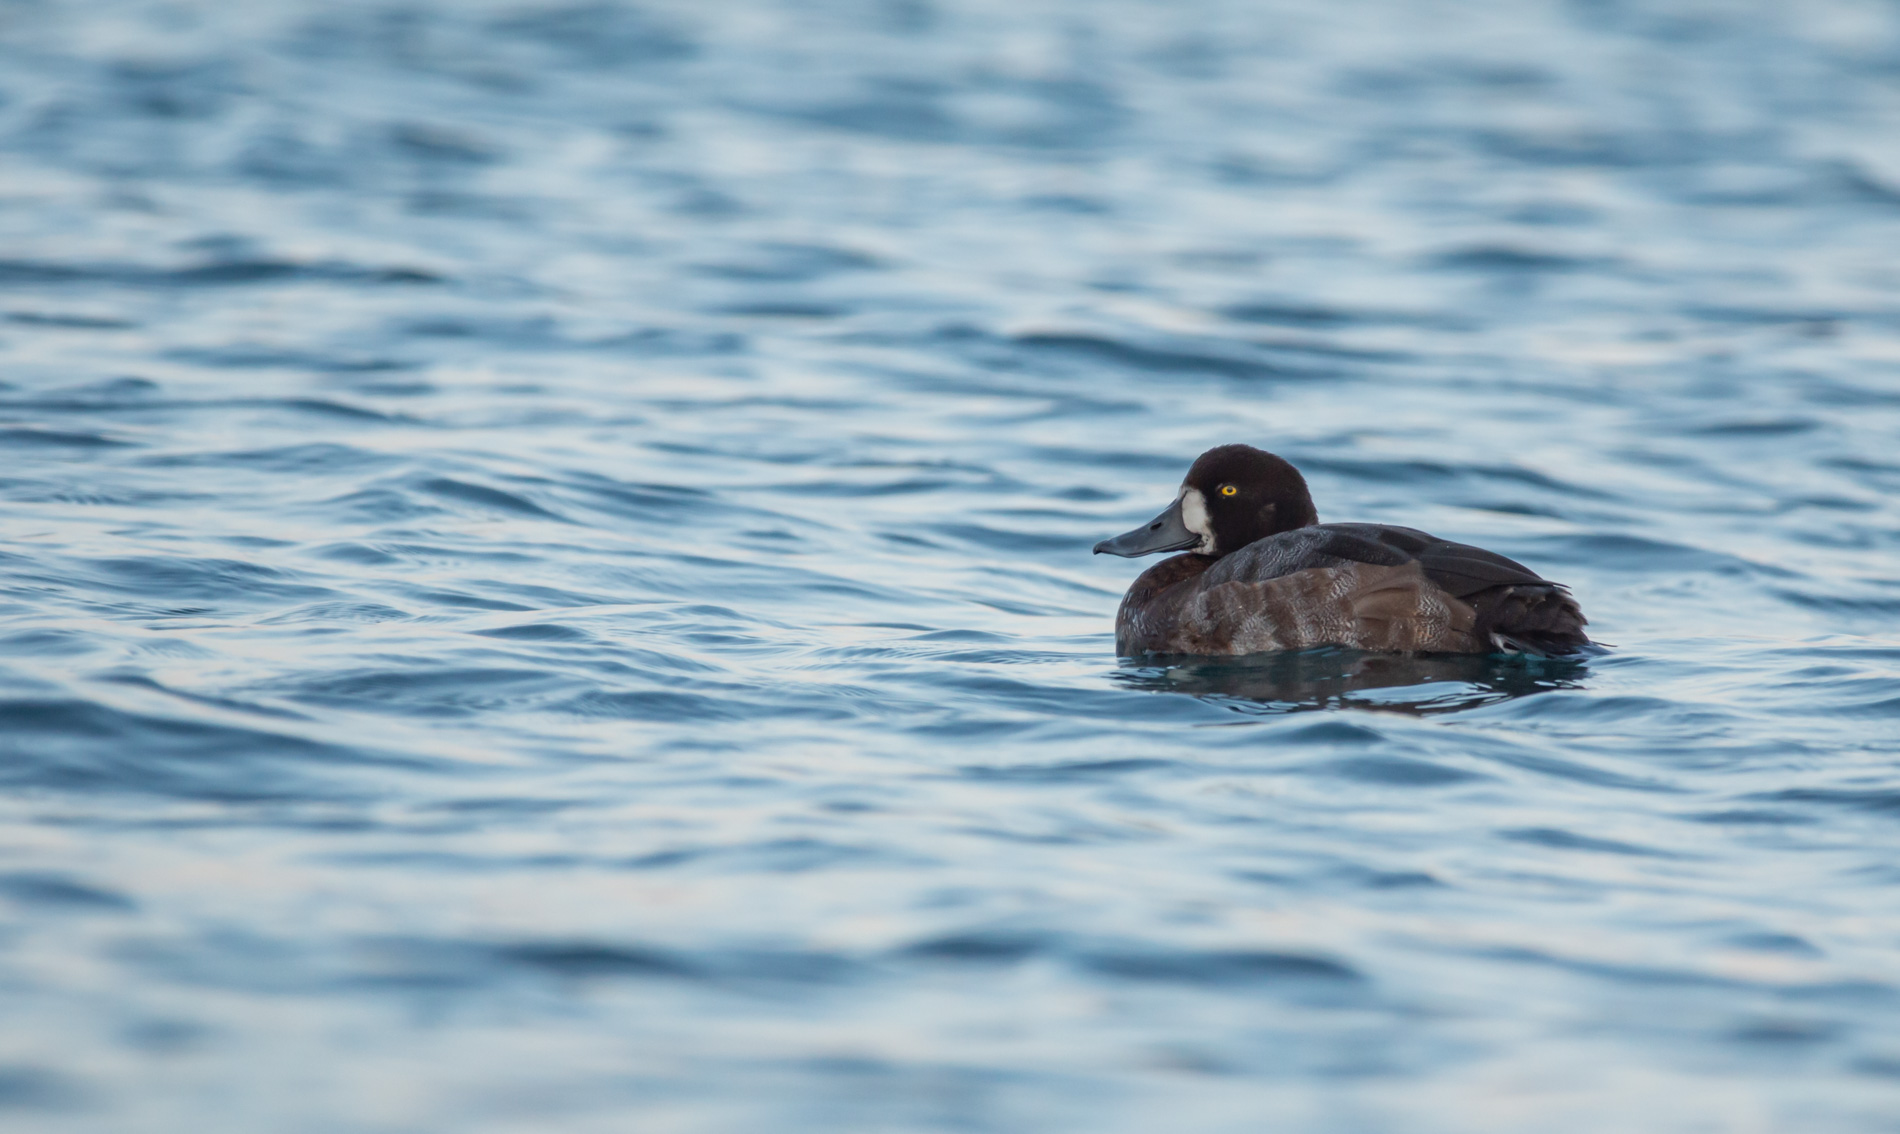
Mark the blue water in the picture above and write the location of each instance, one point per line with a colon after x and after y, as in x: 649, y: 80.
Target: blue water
x: 544, y: 575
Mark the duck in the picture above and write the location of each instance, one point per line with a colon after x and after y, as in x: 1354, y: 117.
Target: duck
x: 1259, y: 573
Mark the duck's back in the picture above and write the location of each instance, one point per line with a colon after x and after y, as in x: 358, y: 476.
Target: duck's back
x: 1370, y: 586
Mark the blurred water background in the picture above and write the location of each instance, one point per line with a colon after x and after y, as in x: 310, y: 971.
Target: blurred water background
x: 544, y: 574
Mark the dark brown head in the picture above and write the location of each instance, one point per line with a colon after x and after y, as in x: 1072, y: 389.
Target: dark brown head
x: 1234, y: 495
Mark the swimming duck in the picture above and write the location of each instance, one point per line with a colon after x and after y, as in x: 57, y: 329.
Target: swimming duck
x: 1262, y: 573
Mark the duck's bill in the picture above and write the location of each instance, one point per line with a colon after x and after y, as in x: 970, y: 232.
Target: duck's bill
x: 1166, y: 532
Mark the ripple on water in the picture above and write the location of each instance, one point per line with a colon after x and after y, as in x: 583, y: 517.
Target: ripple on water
x: 90, y: 747
x: 544, y: 558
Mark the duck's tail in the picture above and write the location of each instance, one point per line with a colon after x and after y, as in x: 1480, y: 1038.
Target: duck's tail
x: 1532, y: 618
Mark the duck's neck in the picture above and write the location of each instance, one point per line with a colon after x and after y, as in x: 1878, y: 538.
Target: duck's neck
x: 1165, y: 574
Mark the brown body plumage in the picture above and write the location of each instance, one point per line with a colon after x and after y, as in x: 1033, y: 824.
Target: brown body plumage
x: 1290, y: 583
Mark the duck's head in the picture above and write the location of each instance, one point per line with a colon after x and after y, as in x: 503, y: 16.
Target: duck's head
x: 1234, y: 495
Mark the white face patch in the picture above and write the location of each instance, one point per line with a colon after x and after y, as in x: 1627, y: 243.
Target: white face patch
x: 1194, y: 518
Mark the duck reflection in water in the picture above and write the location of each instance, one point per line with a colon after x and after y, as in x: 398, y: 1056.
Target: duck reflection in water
x: 1336, y: 677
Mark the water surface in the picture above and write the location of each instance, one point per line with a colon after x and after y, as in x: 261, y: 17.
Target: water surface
x: 544, y: 574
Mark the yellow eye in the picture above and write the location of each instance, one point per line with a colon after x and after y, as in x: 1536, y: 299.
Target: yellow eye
x: 1228, y: 490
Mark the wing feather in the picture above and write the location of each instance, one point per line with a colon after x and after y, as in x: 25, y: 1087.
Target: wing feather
x: 1458, y: 568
